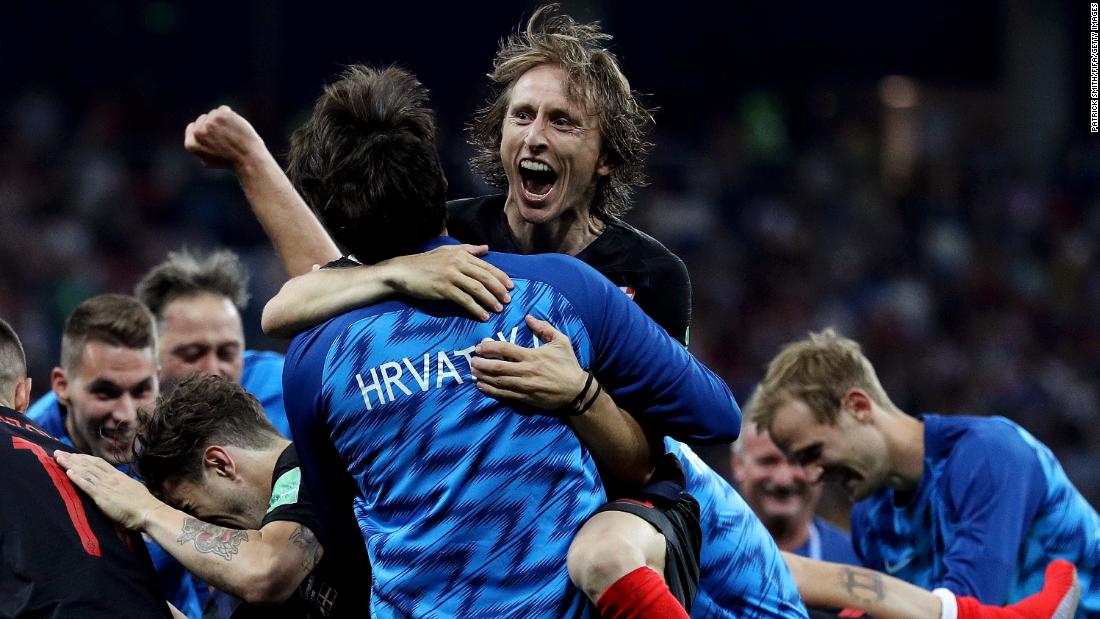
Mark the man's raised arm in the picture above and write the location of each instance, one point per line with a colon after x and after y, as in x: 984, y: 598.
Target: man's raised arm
x: 224, y: 139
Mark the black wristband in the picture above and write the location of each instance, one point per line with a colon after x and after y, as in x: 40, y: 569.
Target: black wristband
x: 590, y: 402
x: 580, y: 396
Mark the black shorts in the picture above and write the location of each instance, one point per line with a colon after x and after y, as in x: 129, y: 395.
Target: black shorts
x: 675, y: 518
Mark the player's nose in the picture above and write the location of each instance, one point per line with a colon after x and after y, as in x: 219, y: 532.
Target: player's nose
x: 535, y: 138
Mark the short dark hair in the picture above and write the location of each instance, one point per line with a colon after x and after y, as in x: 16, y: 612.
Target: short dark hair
x: 13, y: 361
x: 185, y: 274
x: 366, y: 162
x: 593, y: 79
x: 203, y: 410
x: 115, y: 319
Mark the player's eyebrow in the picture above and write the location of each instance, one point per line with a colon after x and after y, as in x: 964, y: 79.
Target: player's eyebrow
x: 104, y: 384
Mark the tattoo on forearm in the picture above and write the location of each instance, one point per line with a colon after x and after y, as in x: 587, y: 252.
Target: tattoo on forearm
x: 862, y: 585
x: 306, y: 540
x: 209, y: 538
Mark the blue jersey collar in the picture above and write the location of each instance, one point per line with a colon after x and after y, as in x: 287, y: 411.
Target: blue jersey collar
x: 438, y: 241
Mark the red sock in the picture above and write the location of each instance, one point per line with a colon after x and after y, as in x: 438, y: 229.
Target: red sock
x: 640, y: 594
x: 1058, y: 598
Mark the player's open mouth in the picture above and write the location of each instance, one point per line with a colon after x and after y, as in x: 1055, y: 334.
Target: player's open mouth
x: 538, y: 180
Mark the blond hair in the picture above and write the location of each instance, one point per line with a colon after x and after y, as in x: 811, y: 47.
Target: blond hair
x: 818, y: 370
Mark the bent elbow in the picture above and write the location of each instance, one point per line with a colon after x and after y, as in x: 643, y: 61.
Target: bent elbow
x: 267, y: 588
x: 273, y: 322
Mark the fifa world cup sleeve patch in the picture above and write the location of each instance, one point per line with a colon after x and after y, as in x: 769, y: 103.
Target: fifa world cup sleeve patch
x: 285, y: 490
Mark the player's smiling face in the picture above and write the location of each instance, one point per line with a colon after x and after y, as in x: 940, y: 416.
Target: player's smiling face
x: 102, y: 396
x: 551, y: 148
x: 850, y: 452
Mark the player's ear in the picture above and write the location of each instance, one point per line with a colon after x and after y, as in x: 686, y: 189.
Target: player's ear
x: 603, y: 166
x: 217, y: 462
x: 59, y: 382
x: 22, y: 395
x: 857, y: 403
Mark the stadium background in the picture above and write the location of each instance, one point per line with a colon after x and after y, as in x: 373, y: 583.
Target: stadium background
x: 920, y: 176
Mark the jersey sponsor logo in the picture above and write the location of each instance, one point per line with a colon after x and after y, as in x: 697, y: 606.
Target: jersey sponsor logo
x: 379, y: 383
x: 285, y: 490
x: 628, y: 291
x: 897, y: 566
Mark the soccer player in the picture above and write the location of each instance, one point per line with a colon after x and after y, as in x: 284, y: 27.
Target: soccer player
x: 59, y: 557
x: 575, y: 213
x: 973, y: 504
x: 784, y: 500
x: 470, y: 504
x: 566, y: 219
x: 197, y: 302
x: 208, y: 450
x: 108, y: 371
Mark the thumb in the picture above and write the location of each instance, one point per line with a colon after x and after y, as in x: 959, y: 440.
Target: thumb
x: 544, y: 330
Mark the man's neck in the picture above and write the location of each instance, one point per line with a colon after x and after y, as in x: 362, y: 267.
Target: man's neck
x: 74, y: 437
x: 905, y: 442
x: 790, y: 536
x: 568, y: 234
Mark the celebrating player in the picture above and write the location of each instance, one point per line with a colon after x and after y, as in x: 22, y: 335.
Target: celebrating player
x: 973, y: 504
x: 197, y: 301
x: 565, y: 218
x: 58, y: 556
x: 466, y: 499
x: 209, y: 450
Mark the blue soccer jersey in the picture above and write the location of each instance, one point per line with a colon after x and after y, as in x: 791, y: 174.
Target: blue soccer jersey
x: 263, y: 378
x: 993, y: 507
x: 827, y: 543
x: 742, y: 573
x: 469, y: 504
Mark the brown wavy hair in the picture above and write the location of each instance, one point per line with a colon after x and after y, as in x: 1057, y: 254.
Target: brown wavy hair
x: 593, y: 77
x: 201, y: 411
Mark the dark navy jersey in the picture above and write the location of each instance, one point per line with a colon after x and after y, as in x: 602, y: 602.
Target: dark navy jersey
x: 59, y: 555
x: 634, y: 261
x: 470, y: 503
x: 993, y: 507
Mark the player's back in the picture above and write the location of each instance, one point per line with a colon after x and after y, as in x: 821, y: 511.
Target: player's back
x: 471, y: 503
x: 59, y: 555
